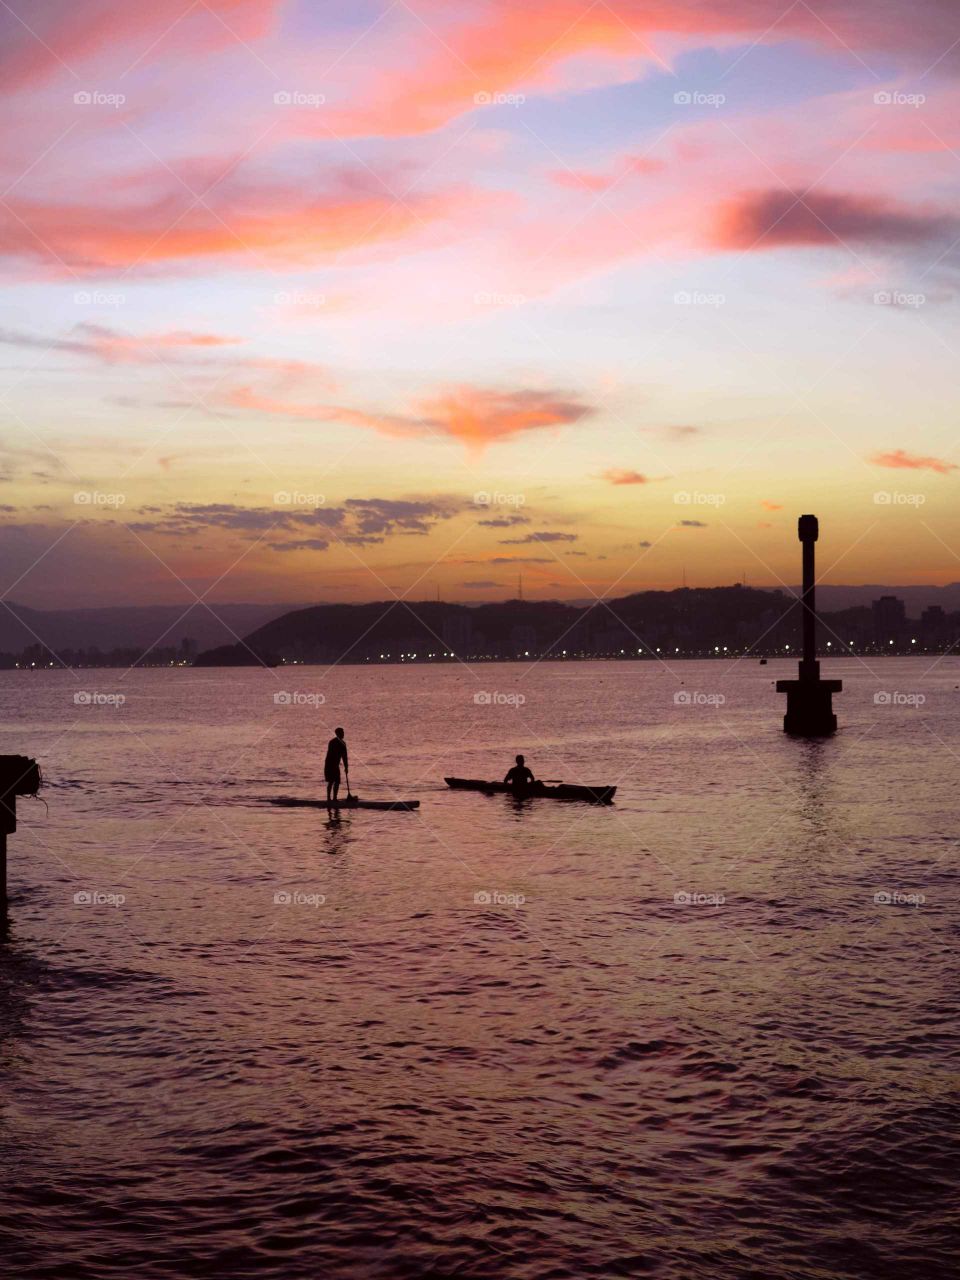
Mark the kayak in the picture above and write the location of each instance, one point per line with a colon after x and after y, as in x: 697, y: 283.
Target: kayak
x: 354, y: 802
x: 562, y: 791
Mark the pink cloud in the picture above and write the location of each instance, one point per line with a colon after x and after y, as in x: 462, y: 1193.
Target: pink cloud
x: 267, y: 224
x: 474, y: 416
x: 617, y: 475
x: 900, y: 460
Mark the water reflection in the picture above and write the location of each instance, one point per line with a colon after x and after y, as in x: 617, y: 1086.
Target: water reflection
x: 814, y: 778
x: 408, y: 1050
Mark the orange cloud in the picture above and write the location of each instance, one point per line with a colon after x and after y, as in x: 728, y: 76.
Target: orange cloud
x: 445, y: 56
x: 479, y: 417
x: 771, y: 506
x: 504, y: 47
x: 118, y: 348
x: 617, y: 475
x: 271, y: 225
x: 900, y: 460
x: 474, y: 416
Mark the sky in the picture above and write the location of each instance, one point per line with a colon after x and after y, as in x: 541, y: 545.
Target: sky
x: 332, y: 302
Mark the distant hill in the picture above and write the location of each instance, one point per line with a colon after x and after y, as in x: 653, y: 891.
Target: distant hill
x: 692, y: 619
x: 133, y: 626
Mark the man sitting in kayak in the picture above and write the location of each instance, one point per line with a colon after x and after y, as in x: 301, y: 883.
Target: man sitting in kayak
x: 519, y: 777
x: 336, y: 751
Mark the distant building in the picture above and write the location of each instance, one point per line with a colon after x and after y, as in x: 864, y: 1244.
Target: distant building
x: 934, y: 626
x: 889, y: 621
x: 523, y: 639
x: 458, y: 633
x: 614, y: 640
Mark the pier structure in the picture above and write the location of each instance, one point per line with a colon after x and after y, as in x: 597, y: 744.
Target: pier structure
x: 19, y: 776
x: 810, y: 711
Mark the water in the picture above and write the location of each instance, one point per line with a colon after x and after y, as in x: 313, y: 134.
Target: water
x: 407, y: 1079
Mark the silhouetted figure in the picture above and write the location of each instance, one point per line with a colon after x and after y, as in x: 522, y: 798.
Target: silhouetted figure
x: 519, y: 777
x: 336, y: 751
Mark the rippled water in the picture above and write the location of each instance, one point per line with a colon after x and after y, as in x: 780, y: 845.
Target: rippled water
x: 677, y: 1037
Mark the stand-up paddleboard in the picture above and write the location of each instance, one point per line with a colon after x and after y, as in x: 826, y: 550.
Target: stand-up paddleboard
x: 563, y: 790
x: 354, y: 802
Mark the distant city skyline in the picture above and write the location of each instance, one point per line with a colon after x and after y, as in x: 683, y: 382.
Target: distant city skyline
x: 736, y: 622
x: 343, y: 301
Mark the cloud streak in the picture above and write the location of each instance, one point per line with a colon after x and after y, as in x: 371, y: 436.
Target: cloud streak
x: 257, y: 223
x: 357, y: 521
x: 900, y: 460
x: 544, y: 535
x: 473, y: 416
x: 620, y: 476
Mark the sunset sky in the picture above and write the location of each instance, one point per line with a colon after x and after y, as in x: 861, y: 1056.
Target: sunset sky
x: 316, y: 301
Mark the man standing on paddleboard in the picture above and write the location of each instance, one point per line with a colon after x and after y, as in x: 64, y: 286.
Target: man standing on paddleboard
x: 336, y: 751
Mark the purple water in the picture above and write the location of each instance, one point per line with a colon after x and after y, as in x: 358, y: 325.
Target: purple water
x: 677, y: 1037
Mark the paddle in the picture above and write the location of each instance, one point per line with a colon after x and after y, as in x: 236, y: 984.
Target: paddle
x: 347, y: 772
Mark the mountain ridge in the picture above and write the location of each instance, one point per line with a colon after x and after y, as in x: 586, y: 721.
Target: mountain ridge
x: 687, y: 619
